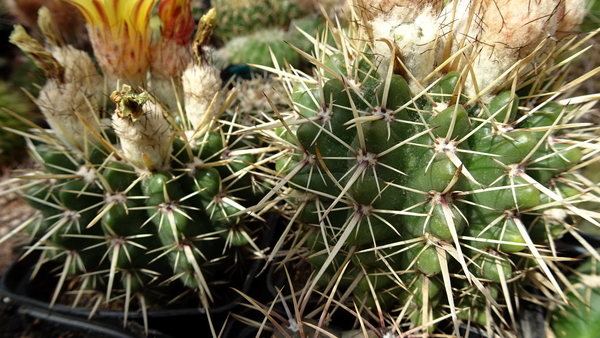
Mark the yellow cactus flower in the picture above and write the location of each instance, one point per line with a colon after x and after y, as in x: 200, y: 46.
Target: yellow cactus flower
x: 121, y: 36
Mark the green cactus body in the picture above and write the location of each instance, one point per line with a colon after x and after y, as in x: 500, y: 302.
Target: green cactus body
x: 151, y: 229
x: 150, y: 208
x: 424, y: 189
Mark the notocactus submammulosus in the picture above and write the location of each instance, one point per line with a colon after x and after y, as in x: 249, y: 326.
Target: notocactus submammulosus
x: 140, y: 204
x: 438, y: 180
x: 145, y: 229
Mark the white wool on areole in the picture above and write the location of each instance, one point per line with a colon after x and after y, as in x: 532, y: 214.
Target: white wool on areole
x: 417, y: 37
x: 149, y: 136
x: 201, y: 83
x: 501, y: 35
x: 58, y: 102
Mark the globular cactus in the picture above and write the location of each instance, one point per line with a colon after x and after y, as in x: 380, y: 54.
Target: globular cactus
x: 135, y: 202
x: 262, y: 46
x: 431, y: 160
x: 242, y: 18
x: 260, y: 32
x: 271, y: 28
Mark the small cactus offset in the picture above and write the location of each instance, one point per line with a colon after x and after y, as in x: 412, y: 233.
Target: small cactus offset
x: 432, y: 159
x: 274, y: 26
x: 261, y: 31
x: 260, y: 47
x: 138, y: 197
x: 241, y: 18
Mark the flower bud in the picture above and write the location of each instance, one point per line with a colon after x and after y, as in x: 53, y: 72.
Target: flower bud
x: 143, y: 131
x: 501, y: 34
x: 416, y: 35
x: 201, y: 83
x: 79, y: 68
x: 570, y: 19
x: 121, y: 37
x: 171, y: 53
x: 58, y: 102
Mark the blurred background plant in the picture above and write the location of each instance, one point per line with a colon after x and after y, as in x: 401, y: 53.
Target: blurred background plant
x: 17, y: 73
x: 582, y: 317
x: 12, y: 143
x: 248, y: 29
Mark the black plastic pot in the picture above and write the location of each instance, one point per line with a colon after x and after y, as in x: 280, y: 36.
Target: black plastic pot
x: 31, y: 295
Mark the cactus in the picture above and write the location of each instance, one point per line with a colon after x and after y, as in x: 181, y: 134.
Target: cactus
x: 256, y: 48
x: 253, y: 45
x: 135, y: 202
x: 12, y: 144
x: 258, y: 32
x: 241, y: 18
x: 431, y: 161
x: 581, y: 316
